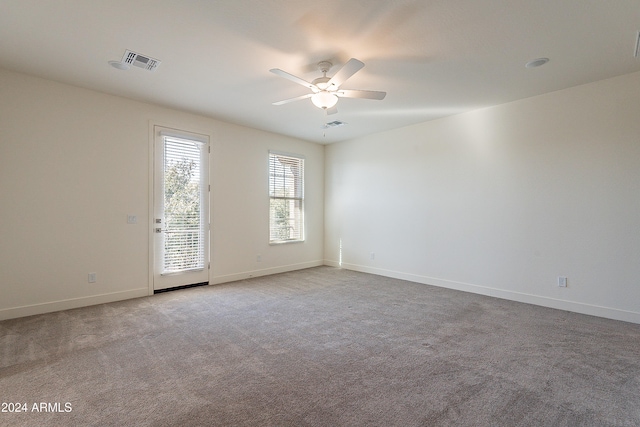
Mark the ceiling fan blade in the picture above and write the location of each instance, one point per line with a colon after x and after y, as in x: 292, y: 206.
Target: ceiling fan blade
x: 332, y: 110
x: 366, y: 94
x: 293, y: 78
x: 297, y: 98
x: 349, y: 69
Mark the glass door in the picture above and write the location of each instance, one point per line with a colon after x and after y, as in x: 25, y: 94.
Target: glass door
x: 181, y: 208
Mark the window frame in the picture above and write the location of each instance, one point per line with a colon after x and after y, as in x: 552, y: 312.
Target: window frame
x: 300, y: 198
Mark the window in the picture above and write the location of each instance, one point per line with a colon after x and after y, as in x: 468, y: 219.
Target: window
x: 184, y: 188
x: 286, y: 193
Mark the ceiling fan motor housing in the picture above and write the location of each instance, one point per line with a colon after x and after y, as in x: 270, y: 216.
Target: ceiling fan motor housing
x: 320, y: 84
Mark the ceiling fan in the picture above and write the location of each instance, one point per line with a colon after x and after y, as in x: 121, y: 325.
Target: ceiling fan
x: 326, y: 90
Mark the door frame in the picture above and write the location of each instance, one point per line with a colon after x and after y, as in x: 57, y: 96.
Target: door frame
x: 178, y: 130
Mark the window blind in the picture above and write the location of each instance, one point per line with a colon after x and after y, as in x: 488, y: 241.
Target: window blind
x: 183, y: 223
x: 286, y: 193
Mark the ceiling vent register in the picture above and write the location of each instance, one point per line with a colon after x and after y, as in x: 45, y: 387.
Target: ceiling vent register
x: 333, y: 124
x: 140, y: 61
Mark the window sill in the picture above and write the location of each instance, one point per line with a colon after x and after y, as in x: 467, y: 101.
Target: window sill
x: 284, y: 242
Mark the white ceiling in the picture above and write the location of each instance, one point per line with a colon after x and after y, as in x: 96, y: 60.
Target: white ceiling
x: 433, y: 58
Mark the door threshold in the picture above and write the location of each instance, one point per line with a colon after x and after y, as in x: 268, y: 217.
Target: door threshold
x: 177, y: 288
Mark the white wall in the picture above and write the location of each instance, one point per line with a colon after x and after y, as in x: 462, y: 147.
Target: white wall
x: 74, y: 163
x: 501, y: 201
x: 240, y: 208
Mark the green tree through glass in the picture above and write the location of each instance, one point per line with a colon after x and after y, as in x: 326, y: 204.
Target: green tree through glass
x: 182, y: 216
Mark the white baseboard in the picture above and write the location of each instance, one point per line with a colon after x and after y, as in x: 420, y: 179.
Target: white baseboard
x: 48, y: 307
x: 263, y: 272
x: 576, y: 307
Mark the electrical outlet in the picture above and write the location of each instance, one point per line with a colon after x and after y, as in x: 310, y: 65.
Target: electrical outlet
x: 93, y: 277
x: 372, y: 255
x: 258, y: 258
x: 562, y: 282
x: 132, y: 219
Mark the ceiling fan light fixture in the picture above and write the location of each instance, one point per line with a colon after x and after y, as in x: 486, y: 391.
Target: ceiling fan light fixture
x: 324, y: 99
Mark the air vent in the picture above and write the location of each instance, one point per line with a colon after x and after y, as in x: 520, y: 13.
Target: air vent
x: 140, y: 61
x: 333, y: 124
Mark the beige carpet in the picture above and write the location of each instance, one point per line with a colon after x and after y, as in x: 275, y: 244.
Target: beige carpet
x: 320, y: 347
